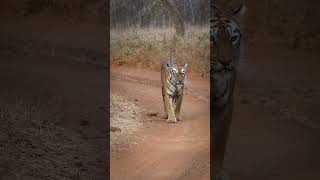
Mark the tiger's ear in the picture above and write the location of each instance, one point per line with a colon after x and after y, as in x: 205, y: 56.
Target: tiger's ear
x: 240, y: 11
x: 240, y: 15
x: 184, y: 66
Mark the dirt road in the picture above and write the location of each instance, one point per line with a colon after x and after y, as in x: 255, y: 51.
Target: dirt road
x: 162, y: 150
x: 275, y: 130
x: 274, y: 133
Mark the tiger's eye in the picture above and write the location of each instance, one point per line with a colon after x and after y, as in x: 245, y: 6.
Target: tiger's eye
x: 212, y: 39
x: 233, y: 38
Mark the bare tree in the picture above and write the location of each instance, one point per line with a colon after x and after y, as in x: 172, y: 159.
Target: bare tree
x: 145, y: 13
x: 174, y: 13
x: 192, y: 11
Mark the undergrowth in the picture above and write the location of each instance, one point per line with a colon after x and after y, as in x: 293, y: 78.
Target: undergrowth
x: 149, y: 50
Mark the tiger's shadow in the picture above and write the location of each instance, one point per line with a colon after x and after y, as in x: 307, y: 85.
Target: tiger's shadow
x: 156, y: 117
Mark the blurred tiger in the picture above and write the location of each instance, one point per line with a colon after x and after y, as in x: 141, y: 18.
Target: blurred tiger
x: 225, y: 36
x: 172, y: 81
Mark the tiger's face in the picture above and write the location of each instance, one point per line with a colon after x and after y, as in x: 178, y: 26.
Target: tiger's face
x: 225, y: 37
x: 179, y: 74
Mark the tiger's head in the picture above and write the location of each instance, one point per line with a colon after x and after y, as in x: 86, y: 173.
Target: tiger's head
x: 225, y: 37
x: 179, y: 74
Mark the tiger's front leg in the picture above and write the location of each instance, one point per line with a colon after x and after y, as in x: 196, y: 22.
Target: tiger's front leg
x: 178, y: 107
x: 165, y: 107
x: 221, y: 94
x: 169, y: 109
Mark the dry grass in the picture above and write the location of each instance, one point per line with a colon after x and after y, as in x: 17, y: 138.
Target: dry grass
x: 144, y: 48
x: 124, y: 115
x: 125, y: 120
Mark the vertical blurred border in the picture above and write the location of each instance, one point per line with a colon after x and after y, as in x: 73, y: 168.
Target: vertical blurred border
x: 108, y: 87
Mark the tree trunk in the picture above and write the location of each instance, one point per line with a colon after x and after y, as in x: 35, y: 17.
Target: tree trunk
x: 174, y: 13
x: 192, y: 12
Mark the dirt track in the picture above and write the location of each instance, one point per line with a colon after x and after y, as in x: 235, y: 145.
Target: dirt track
x: 161, y: 150
x: 274, y: 134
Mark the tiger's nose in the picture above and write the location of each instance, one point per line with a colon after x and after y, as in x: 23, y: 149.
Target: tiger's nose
x: 225, y: 61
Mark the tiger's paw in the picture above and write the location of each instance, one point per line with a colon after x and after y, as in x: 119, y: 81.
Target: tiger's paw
x: 224, y: 176
x: 165, y: 117
x: 171, y: 120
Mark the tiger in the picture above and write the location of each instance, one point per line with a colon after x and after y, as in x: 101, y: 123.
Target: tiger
x: 225, y: 38
x: 172, y: 82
